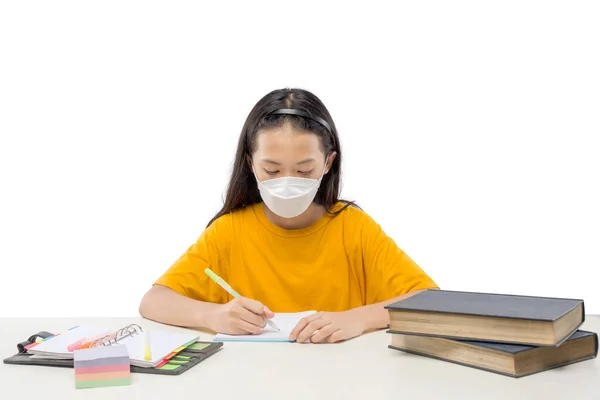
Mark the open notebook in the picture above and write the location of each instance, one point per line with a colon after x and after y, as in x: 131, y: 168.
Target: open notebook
x: 162, y: 343
x: 285, y: 321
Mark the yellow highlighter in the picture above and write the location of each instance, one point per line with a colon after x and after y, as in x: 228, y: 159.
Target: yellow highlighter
x: 147, y: 351
x: 219, y: 281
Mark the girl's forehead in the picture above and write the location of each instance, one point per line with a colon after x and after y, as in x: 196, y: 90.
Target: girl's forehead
x: 286, y: 142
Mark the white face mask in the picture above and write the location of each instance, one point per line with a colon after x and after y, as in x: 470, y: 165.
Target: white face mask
x: 289, y: 196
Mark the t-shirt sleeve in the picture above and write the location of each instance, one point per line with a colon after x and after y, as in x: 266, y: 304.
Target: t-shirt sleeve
x: 389, y: 271
x: 186, y: 276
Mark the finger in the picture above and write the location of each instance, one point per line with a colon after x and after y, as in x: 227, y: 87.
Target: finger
x: 248, y: 328
x: 268, y: 313
x: 250, y: 317
x: 255, y: 306
x: 323, y: 334
x: 337, y: 336
x: 311, y: 328
x: 302, y: 324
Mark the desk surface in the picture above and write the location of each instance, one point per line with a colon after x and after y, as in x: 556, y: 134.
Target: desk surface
x: 352, y: 370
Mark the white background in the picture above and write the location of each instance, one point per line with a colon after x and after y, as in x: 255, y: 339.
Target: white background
x: 470, y: 132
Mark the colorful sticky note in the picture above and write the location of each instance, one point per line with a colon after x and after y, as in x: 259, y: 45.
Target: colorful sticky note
x: 169, y: 367
x: 102, y: 366
x: 199, y: 346
x: 178, y: 362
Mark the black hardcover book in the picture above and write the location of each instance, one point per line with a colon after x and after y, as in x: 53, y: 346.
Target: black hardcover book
x: 506, y: 359
x: 530, y: 320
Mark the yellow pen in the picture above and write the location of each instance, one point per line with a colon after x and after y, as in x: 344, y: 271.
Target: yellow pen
x: 147, y: 351
x: 219, y: 281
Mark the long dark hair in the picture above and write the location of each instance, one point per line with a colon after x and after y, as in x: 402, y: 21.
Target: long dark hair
x: 242, y: 189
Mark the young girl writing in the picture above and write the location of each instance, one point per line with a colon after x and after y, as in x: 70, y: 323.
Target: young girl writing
x: 285, y: 241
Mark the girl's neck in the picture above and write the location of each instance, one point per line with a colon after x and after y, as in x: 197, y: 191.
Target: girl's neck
x: 304, y: 220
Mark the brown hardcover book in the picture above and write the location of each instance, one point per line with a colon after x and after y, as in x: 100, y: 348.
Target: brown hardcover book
x: 499, y: 318
x: 505, y: 359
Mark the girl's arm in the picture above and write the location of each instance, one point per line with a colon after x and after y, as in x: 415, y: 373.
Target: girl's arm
x: 390, y: 274
x: 166, y: 306
x: 375, y: 316
x: 239, y: 316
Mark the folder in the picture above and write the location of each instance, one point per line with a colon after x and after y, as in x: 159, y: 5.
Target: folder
x: 180, y: 360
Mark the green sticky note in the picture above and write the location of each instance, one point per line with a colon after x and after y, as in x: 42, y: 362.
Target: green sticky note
x: 179, y: 362
x: 181, y: 357
x: 169, y: 367
x: 102, y: 383
x: 198, y: 346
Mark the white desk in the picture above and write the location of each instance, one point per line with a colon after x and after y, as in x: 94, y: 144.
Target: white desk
x: 358, y: 369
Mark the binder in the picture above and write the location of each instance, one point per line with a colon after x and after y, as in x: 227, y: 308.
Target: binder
x: 182, y: 361
x: 118, y: 336
x: 163, y: 342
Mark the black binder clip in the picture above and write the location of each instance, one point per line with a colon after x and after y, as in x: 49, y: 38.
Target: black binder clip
x: 43, y: 334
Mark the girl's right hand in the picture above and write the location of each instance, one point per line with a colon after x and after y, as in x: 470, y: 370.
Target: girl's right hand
x: 241, y: 316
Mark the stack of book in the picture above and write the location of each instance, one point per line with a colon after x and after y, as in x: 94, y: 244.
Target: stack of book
x: 507, y: 334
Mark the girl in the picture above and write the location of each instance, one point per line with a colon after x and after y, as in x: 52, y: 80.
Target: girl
x: 285, y: 241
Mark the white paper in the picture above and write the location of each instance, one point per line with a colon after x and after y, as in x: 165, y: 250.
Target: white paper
x: 162, y: 343
x: 285, y: 321
x: 57, y: 345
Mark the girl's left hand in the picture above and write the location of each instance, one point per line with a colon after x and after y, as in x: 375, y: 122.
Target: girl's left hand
x: 327, y: 327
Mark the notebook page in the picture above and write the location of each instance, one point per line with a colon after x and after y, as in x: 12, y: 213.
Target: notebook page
x: 285, y: 321
x: 57, y: 345
x: 162, y: 343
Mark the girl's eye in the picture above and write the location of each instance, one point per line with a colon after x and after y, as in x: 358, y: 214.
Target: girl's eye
x: 305, y: 172
x: 271, y: 172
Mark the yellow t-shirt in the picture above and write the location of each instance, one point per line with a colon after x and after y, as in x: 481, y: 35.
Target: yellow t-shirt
x: 338, y: 263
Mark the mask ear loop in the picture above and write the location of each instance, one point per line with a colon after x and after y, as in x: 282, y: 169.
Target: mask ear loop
x: 258, y: 181
x: 324, y: 166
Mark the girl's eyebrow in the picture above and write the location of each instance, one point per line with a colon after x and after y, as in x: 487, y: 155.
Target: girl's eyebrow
x: 270, y: 161
x: 306, y: 161
x: 276, y: 163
